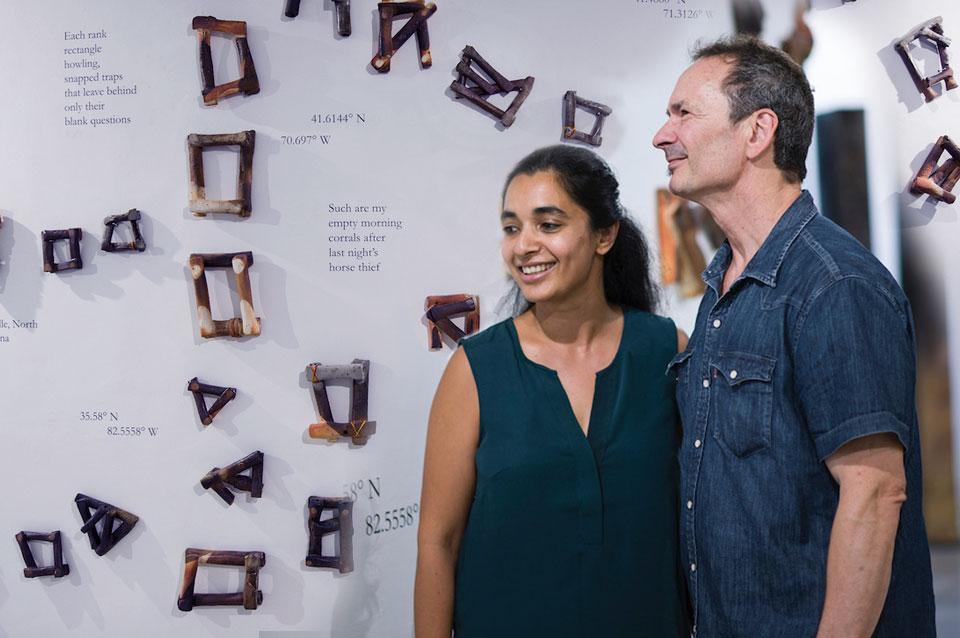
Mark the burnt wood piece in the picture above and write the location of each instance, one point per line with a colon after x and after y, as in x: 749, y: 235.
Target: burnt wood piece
x: 92, y: 512
x: 247, y: 324
x: 292, y: 10
x: 419, y: 11
x: 218, y: 479
x: 248, y: 84
x: 341, y: 524
x: 571, y: 102
x: 50, y: 237
x: 935, y: 179
x: 111, y: 222
x: 224, y: 396
x: 59, y: 569
x: 931, y: 31
x: 440, y: 309
x: 242, y: 205
x: 251, y: 597
x: 471, y: 86
x: 799, y: 44
x: 358, y: 428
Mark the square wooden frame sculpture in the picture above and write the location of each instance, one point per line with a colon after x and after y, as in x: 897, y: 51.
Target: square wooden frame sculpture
x: 419, y: 11
x: 571, y: 102
x: 218, y: 479
x: 251, y: 597
x: 50, y: 237
x: 932, y: 31
x: 224, y: 396
x: 341, y: 523
x: 110, y: 224
x: 242, y: 206
x: 471, y: 86
x: 358, y: 428
x: 247, y: 324
x: 440, y: 309
x: 935, y: 179
x: 59, y: 569
x: 292, y: 10
x: 102, y: 541
x: 248, y: 84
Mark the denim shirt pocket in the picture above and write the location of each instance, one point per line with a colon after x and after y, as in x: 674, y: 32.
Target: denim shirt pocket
x: 741, y: 409
x: 676, y: 366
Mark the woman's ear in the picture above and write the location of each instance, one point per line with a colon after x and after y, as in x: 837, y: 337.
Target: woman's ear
x: 606, y: 237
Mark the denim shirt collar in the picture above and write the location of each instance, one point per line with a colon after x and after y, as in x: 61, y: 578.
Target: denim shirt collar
x: 766, y: 263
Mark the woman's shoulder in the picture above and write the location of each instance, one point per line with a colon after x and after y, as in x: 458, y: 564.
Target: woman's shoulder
x: 492, y: 336
x: 646, y: 328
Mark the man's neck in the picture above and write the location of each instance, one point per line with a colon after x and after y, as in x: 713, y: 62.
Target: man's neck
x: 746, y: 215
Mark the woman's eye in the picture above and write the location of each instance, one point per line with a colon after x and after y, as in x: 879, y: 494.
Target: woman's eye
x: 549, y: 226
x: 509, y: 230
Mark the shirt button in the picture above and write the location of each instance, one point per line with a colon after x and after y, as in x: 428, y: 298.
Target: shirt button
x: 733, y: 374
x: 697, y: 443
x: 693, y: 567
x: 716, y: 323
x: 706, y: 383
x: 689, y: 505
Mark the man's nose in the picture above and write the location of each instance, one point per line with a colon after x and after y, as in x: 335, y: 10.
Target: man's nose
x: 665, y: 136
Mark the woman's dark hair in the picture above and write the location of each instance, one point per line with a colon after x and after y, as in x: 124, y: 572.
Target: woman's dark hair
x: 588, y: 180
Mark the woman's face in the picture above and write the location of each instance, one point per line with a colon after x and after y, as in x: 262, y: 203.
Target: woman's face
x: 548, y: 245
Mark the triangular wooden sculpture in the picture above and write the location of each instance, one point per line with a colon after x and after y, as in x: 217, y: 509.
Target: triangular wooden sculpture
x: 92, y: 512
x: 419, y: 11
x: 218, y: 479
x: 224, y: 396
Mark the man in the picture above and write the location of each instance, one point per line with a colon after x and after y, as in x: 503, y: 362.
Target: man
x: 800, y: 460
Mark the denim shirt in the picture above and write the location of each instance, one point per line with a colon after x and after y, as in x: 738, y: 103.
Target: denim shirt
x: 812, y: 347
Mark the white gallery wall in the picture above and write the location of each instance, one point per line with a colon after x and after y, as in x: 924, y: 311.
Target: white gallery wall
x: 89, y: 355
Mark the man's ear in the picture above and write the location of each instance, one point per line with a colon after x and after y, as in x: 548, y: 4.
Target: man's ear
x: 606, y: 238
x: 763, y: 129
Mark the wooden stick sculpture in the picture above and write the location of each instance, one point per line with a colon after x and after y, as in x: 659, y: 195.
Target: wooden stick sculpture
x: 440, y: 309
x: 571, y: 102
x: 474, y: 88
x: 247, y: 324
x: 250, y: 597
x: 935, y: 180
x: 419, y: 11
x: 340, y: 524
x: 59, y: 569
x: 224, y: 396
x: 242, y: 204
x: 292, y: 10
x: 930, y: 31
x: 92, y: 512
x: 248, y: 83
x: 50, y: 237
x: 358, y: 428
x: 218, y: 479
x: 111, y: 222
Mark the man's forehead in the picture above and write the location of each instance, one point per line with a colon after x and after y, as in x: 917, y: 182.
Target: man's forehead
x: 700, y: 81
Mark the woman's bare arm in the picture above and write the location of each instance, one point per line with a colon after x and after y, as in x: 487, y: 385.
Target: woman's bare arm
x: 449, y: 478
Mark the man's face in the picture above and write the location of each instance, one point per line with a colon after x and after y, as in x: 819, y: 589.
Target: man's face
x: 704, y: 151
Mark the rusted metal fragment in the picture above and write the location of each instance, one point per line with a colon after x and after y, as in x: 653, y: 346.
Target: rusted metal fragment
x: 358, y: 428
x: 111, y: 222
x: 476, y: 89
x: 92, y: 512
x: 930, y: 32
x: 419, y: 11
x: 49, y: 237
x: 218, y: 479
x: 248, y: 84
x: 250, y: 597
x: 59, y: 569
x: 242, y: 205
x: 571, y: 102
x: 935, y: 179
x: 292, y: 10
x: 247, y: 324
x: 224, y: 396
x: 441, y: 308
x: 341, y: 524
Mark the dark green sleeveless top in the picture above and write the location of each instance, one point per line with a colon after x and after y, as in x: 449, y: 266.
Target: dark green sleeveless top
x: 573, y: 535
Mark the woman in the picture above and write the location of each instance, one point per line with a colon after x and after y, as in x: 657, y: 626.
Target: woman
x: 549, y: 501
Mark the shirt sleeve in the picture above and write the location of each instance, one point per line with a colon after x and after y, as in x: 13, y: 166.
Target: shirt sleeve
x: 855, y: 365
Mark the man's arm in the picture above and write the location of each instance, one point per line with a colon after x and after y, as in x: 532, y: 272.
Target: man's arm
x: 873, y: 485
